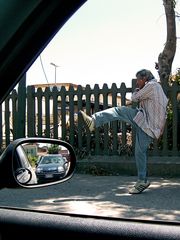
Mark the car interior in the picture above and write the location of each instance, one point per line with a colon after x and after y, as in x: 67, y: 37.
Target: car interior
x: 26, y: 29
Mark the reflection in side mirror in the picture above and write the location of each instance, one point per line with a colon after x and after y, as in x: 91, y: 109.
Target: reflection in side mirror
x: 41, y: 163
x: 37, y: 162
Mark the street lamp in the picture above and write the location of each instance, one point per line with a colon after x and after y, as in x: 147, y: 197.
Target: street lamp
x: 55, y: 67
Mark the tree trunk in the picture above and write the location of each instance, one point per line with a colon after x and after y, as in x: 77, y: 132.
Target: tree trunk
x: 166, y: 57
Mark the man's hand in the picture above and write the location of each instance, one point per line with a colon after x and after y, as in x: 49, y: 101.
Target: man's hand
x: 136, y: 89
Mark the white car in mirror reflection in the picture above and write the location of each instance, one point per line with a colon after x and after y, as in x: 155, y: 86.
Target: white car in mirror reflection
x: 51, y: 167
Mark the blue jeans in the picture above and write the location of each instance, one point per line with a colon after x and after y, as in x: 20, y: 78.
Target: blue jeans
x: 143, y: 140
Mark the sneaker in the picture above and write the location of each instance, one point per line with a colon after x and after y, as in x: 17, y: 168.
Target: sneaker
x: 139, y: 187
x: 88, y: 121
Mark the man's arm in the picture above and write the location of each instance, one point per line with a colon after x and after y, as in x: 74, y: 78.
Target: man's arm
x: 142, y: 94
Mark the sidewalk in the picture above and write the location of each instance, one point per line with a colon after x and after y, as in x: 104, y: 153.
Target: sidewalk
x: 108, y: 196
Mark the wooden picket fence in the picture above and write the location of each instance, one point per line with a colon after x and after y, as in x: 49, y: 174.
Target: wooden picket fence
x: 54, y: 112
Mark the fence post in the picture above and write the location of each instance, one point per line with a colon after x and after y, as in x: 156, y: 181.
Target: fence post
x: 31, y: 111
x: 21, y: 109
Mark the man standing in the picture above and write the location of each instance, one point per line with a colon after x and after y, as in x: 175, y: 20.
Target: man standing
x: 148, y: 120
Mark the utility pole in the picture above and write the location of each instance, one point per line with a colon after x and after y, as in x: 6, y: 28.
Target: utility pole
x: 55, y: 67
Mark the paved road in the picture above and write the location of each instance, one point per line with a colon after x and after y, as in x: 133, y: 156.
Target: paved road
x: 102, y: 195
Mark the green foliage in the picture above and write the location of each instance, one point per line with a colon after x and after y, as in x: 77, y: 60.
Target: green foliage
x: 32, y: 160
x: 169, y: 112
x: 175, y: 77
x: 53, y: 149
x: 170, y: 125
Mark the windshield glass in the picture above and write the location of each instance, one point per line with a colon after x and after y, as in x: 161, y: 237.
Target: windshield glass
x: 127, y: 161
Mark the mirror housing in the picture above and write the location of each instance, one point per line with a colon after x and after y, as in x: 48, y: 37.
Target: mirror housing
x: 17, y: 171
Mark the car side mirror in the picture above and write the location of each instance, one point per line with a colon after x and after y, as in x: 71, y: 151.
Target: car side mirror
x: 36, y: 162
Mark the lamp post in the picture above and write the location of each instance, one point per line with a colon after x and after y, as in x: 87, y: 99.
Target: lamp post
x: 55, y: 67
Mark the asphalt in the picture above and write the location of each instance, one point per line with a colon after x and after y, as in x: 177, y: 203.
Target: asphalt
x: 102, y: 196
x: 108, y: 196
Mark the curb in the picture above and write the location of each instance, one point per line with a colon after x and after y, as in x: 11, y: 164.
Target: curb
x: 115, y: 165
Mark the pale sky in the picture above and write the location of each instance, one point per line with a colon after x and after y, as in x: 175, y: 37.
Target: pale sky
x: 106, y: 41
